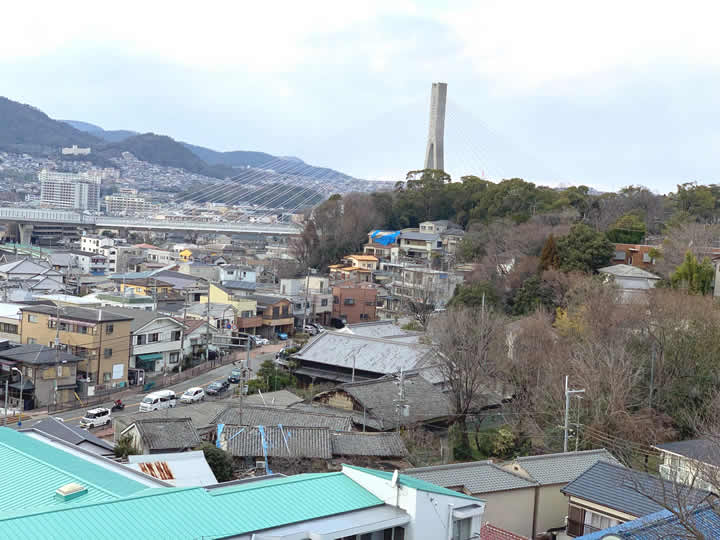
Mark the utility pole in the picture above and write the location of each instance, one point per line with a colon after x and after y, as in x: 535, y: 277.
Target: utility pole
x: 207, y: 323
x: 6, y: 402
x: 568, y: 394
x: 400, y: 402
x: 182, y: 335
x: 305, y: 302
x: 652, y: 375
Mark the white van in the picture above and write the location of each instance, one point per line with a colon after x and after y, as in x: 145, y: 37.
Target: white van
x: 162, y: 399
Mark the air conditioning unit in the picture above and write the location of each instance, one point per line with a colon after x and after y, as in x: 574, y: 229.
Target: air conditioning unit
x: 260, y: 465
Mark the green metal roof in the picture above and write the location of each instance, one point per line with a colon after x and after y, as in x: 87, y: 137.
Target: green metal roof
x: 32, y: 470
x: 199, y: 513
x: 415, y: 483
x: 150, y: 356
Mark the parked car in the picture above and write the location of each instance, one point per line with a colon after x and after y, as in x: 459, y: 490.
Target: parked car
x: 217, y: 387
x: 282, y: 336
x: 309, y: 329
x: 162, y: 399
x: 96, y: 417
x: 260, y: 341
x: 317, y: 327
x: 192, y: 395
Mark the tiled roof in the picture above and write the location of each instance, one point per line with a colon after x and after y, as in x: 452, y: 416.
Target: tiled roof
x: 167, y: 433
x: 80, y: 314
x: 356, y: 417
x: 664, y: 525
x: 378, y: 397
x: 279, y: 398
x: 628, y: 491
x: 490, y: 532
x: 32, y: 470
x: 201, y: 414
x: 476, y: 477
x: 37, y: 354
x: 563, y: 467
x: 285, y: 442
x: 698, y: 449
x: 355, y: 443
x: 273, y: 416
x: 69, y: 433
x: 200, y: 513
x: 626, y: 270
x: 240, y: 285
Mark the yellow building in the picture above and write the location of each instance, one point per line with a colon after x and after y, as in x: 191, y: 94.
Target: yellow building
x: 100, y: 338
x: 185, y: 255
x: 247, y: 319
x: 146, y: 287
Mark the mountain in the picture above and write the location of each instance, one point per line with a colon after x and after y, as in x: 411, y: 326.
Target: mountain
x: 25, y: 129
x: 116, y: 135
x: 163, y: 150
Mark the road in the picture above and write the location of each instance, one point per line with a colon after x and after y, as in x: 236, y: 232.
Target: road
x: 133, y: 401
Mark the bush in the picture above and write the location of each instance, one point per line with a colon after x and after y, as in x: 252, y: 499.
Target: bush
x: 125, y: 447
x: 220, y: 462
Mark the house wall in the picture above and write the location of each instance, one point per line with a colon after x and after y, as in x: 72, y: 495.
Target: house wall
x: 430, y: 513
x: 133, y: 432
x: 44, y: 379
x: 364, y: 307
x: 551, y: 508
x: 166, y: 345
x: 10, y: 329
x: 510, y: 510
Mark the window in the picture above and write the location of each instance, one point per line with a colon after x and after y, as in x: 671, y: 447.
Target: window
x: 141, y: 339
x: 32, y: 318
x: 336, y: 300
x: 107, y: 353
x: 298, y: 306
x: 461, y: 529
x: 59, y: 371
x: 175, y: 335
x: 597, y: 522
x: 349, y: 301
x: 285, y: 310
x: 247, y: 314
x: 174, y: 357
x: 364, y: 316
x: 153, y: 338
x: 106, y: 376
x: 8, y: 328
x: 109, y: 328
x: 324, y: 302
x: 276, y: 311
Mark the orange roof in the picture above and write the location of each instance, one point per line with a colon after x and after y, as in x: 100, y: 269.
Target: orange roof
x: 362, y: 257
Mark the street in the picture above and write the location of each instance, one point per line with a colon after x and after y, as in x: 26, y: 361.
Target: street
x: 132, y: 402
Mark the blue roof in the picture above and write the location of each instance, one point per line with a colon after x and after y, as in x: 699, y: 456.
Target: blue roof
x: 663, y: 524
x: 31, y: 470
x: 200, y: 513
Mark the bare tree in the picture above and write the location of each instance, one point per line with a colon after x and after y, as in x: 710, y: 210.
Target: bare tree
x: 698, y: 238
x: 467, y: 344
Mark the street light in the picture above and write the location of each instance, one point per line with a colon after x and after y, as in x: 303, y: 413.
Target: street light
x: 22, y: 383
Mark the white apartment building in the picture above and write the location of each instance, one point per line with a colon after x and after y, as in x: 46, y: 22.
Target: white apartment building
x: 69, y: 190
x: 90, y: 263
x: 127, y: 202
x: 75, y: 151
x: 91, y: 243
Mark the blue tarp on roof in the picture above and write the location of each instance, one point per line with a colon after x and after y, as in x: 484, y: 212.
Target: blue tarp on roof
x: 384, y: 238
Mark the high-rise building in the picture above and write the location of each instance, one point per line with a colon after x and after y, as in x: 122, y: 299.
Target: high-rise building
x: 126, y: 202
x: 70, y: 190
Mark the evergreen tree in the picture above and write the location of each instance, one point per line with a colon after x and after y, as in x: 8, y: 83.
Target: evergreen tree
x: 584, y: 250
x: 694, y: 276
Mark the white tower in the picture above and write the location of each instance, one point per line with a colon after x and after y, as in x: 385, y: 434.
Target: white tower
x: 434, y: 156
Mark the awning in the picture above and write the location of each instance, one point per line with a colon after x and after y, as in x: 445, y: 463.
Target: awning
x: 26, y: 386
x: 150, y: 356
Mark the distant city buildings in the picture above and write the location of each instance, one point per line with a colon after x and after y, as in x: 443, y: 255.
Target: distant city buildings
x: 75, y: 151
x: 126, y: 202
x: 69, y: 190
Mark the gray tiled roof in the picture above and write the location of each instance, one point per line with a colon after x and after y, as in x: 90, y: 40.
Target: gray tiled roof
x: 201, y: 414
x: 140, y: 317
x: 239, y: 285
x: 428, y: 237
x: 699, y: 449
x: 296, y: 442
x: 564, y: 467
x: 626, y: 270
x: 476, y: 477
x: 377, y: 329
x: 356, y: 417
x: 378, y: 397
x: 628, y: 491
x: 167, y: 433
x: 279, y: 398
x: 81, y: 314
x: 273, y: 416
x: 70, y: 434
x: 383, y: 356
x: 38, y: 355
x: 355, y: 443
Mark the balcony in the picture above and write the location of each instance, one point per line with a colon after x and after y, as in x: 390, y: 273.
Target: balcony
x: 278, y: 322
x: 249, y: 322
x: 156, y: 347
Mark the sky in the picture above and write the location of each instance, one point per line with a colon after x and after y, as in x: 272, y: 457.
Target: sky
x: 606, y: 94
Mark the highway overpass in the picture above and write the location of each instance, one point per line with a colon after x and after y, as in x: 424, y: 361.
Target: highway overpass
x: 25, y: 218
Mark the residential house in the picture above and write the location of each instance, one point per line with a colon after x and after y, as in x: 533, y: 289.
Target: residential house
x: 275, y: 314
x: 210, y: 272
x: 156, y: 339
x: 700, y: 522
x: 159, y: 256
x: 451, y: 239
x: 26, y: 269
x: 377, y: 400
x: 248, y: 318
x: 311, y: 298
x: 693, y: 462
x: 235, y: 272
x: 422, y: 285
x: 608, y: 494
x: 638, y: 255
x: 48, y: 374
x: 151, y: 287
x: 100, y: 338
x: 420, y: 245
x: 128, y: 300
x: 523, y: 503
x: 161, y: 435
x: 87, y: 262
x: 221, y: 316
x: 352, y: 503
x: 343, y: 357
x: 53, y: 428
x: 354, y: 303
x: 631, y: 278
x: 183, y: 469
x: 10, y: 322
x: 257, y: 415
x: 91, y: 243
x: 552, y: 472
x: 69, y: 300
x: 383, y: 244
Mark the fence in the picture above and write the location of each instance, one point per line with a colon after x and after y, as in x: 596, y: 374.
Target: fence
x: 159, y: 380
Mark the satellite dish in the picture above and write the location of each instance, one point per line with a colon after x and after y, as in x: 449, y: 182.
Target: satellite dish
x: 395, y: 477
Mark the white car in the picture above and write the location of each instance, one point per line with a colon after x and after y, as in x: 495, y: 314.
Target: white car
x: 261, y: 341
x: 193, y: 395
x: 96, y: 417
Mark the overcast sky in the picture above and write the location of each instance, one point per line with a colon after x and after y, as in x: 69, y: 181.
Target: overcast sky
x: 605, y: 94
